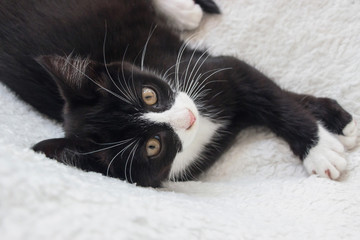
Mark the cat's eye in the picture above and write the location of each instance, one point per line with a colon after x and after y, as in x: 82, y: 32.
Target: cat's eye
x: 153, y: 146
x: 149, y: 96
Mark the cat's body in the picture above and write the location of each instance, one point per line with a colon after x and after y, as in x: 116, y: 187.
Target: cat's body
x: 201, y: 102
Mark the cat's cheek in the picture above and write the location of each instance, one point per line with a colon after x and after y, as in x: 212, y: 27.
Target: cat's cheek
x: 187, y: 136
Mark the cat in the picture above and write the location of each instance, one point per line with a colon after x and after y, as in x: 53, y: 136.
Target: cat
x: 138, y: 104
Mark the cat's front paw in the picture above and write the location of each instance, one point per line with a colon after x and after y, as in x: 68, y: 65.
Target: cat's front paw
x: 348, y: 139
x: 326, y: 158
x: 185, y: 14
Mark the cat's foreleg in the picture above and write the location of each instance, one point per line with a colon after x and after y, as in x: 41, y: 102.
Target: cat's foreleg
x: 320, y: 151
x: 264, y: 103
x: 259, y: 101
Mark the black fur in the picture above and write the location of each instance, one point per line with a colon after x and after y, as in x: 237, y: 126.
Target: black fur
x: 106, y: 38
x: 208, y: 6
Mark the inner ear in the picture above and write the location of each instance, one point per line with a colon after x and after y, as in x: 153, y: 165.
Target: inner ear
x: 52, y: 148
x: 77, y: 78
x: 74, y: 152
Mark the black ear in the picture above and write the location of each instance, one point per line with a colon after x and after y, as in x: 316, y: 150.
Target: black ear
x: 77, y: 78
x: 74, y: 152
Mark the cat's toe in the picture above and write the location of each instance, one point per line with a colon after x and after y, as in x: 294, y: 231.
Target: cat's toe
x: 189, y: 15
x: 326, y: 158
x: 185, y: 14
x: 349, y: 136
x: 325, y: 163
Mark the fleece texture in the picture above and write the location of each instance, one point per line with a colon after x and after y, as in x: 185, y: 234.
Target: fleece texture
x: 258, y: 190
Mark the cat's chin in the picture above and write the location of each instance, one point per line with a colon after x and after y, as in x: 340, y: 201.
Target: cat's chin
x: 187, y: 136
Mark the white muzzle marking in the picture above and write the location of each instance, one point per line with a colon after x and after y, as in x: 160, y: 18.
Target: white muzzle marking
x: 182, y: 117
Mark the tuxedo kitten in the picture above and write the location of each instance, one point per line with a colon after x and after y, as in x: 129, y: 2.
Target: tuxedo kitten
x: 138, y: 104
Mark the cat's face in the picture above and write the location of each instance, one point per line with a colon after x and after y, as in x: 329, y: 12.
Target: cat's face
x: 119, y: 120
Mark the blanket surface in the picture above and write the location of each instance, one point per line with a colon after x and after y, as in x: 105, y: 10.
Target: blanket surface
x: 258, y: 190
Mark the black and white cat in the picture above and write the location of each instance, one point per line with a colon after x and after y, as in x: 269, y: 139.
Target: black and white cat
x: 138, y: 104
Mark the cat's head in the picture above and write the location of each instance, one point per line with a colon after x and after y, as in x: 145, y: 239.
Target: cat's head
x: 119, y: 120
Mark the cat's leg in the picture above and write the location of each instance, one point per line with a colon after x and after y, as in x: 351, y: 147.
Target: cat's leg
x: 320, y: 151
x: 334, y: 118
x: 184, y: 14
x: 261, y: 102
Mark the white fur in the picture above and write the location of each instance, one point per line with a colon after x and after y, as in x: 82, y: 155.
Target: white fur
x: 206, y: 130
x: 183, y: 14
x: 326, y: 158
x: 258, y: 190
x: 350, y: 135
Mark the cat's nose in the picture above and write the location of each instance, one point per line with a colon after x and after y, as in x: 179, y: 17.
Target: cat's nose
x: 182, y: 119
x: 192, y: 119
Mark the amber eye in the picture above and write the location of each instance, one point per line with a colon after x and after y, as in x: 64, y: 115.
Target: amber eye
x: 153, y: 147
x: 149, y: 96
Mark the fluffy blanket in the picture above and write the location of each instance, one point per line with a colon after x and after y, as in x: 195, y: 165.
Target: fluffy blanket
x: 258, y: 190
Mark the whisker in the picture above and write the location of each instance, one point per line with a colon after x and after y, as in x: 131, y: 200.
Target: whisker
x: 107, y: 70
x: 208, y: 55
x: 122, y: 62
x: 132, y: 92
x: 129, y: 93
x: 187, y: 68
x: 127, y: 159
x: 111, y: 143
x: 201, y: 56
x: 178, y: 59
x: 114, y: 145
x: 132, y: 159
x: 204, y: 83
x: 97, y: 84
x: 197, y: 81
x: 120, y: 152
x: 177, y: 65
x: 199, y: 90
x: 165, y: 74
x: 145, y: 47
x: 108, y: 168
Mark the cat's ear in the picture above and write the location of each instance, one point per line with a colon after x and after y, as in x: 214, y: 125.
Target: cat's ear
x: 77, y: 78
x: 73, y: 152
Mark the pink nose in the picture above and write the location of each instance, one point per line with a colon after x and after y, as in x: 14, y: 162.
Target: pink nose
x: 192, y: 119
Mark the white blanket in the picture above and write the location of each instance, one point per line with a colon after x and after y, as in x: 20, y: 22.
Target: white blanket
x: 258, y: 190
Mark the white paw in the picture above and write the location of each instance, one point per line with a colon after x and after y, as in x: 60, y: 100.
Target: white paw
x: 184, y: 14
x: 326, y: 158
x: 350, y: 135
